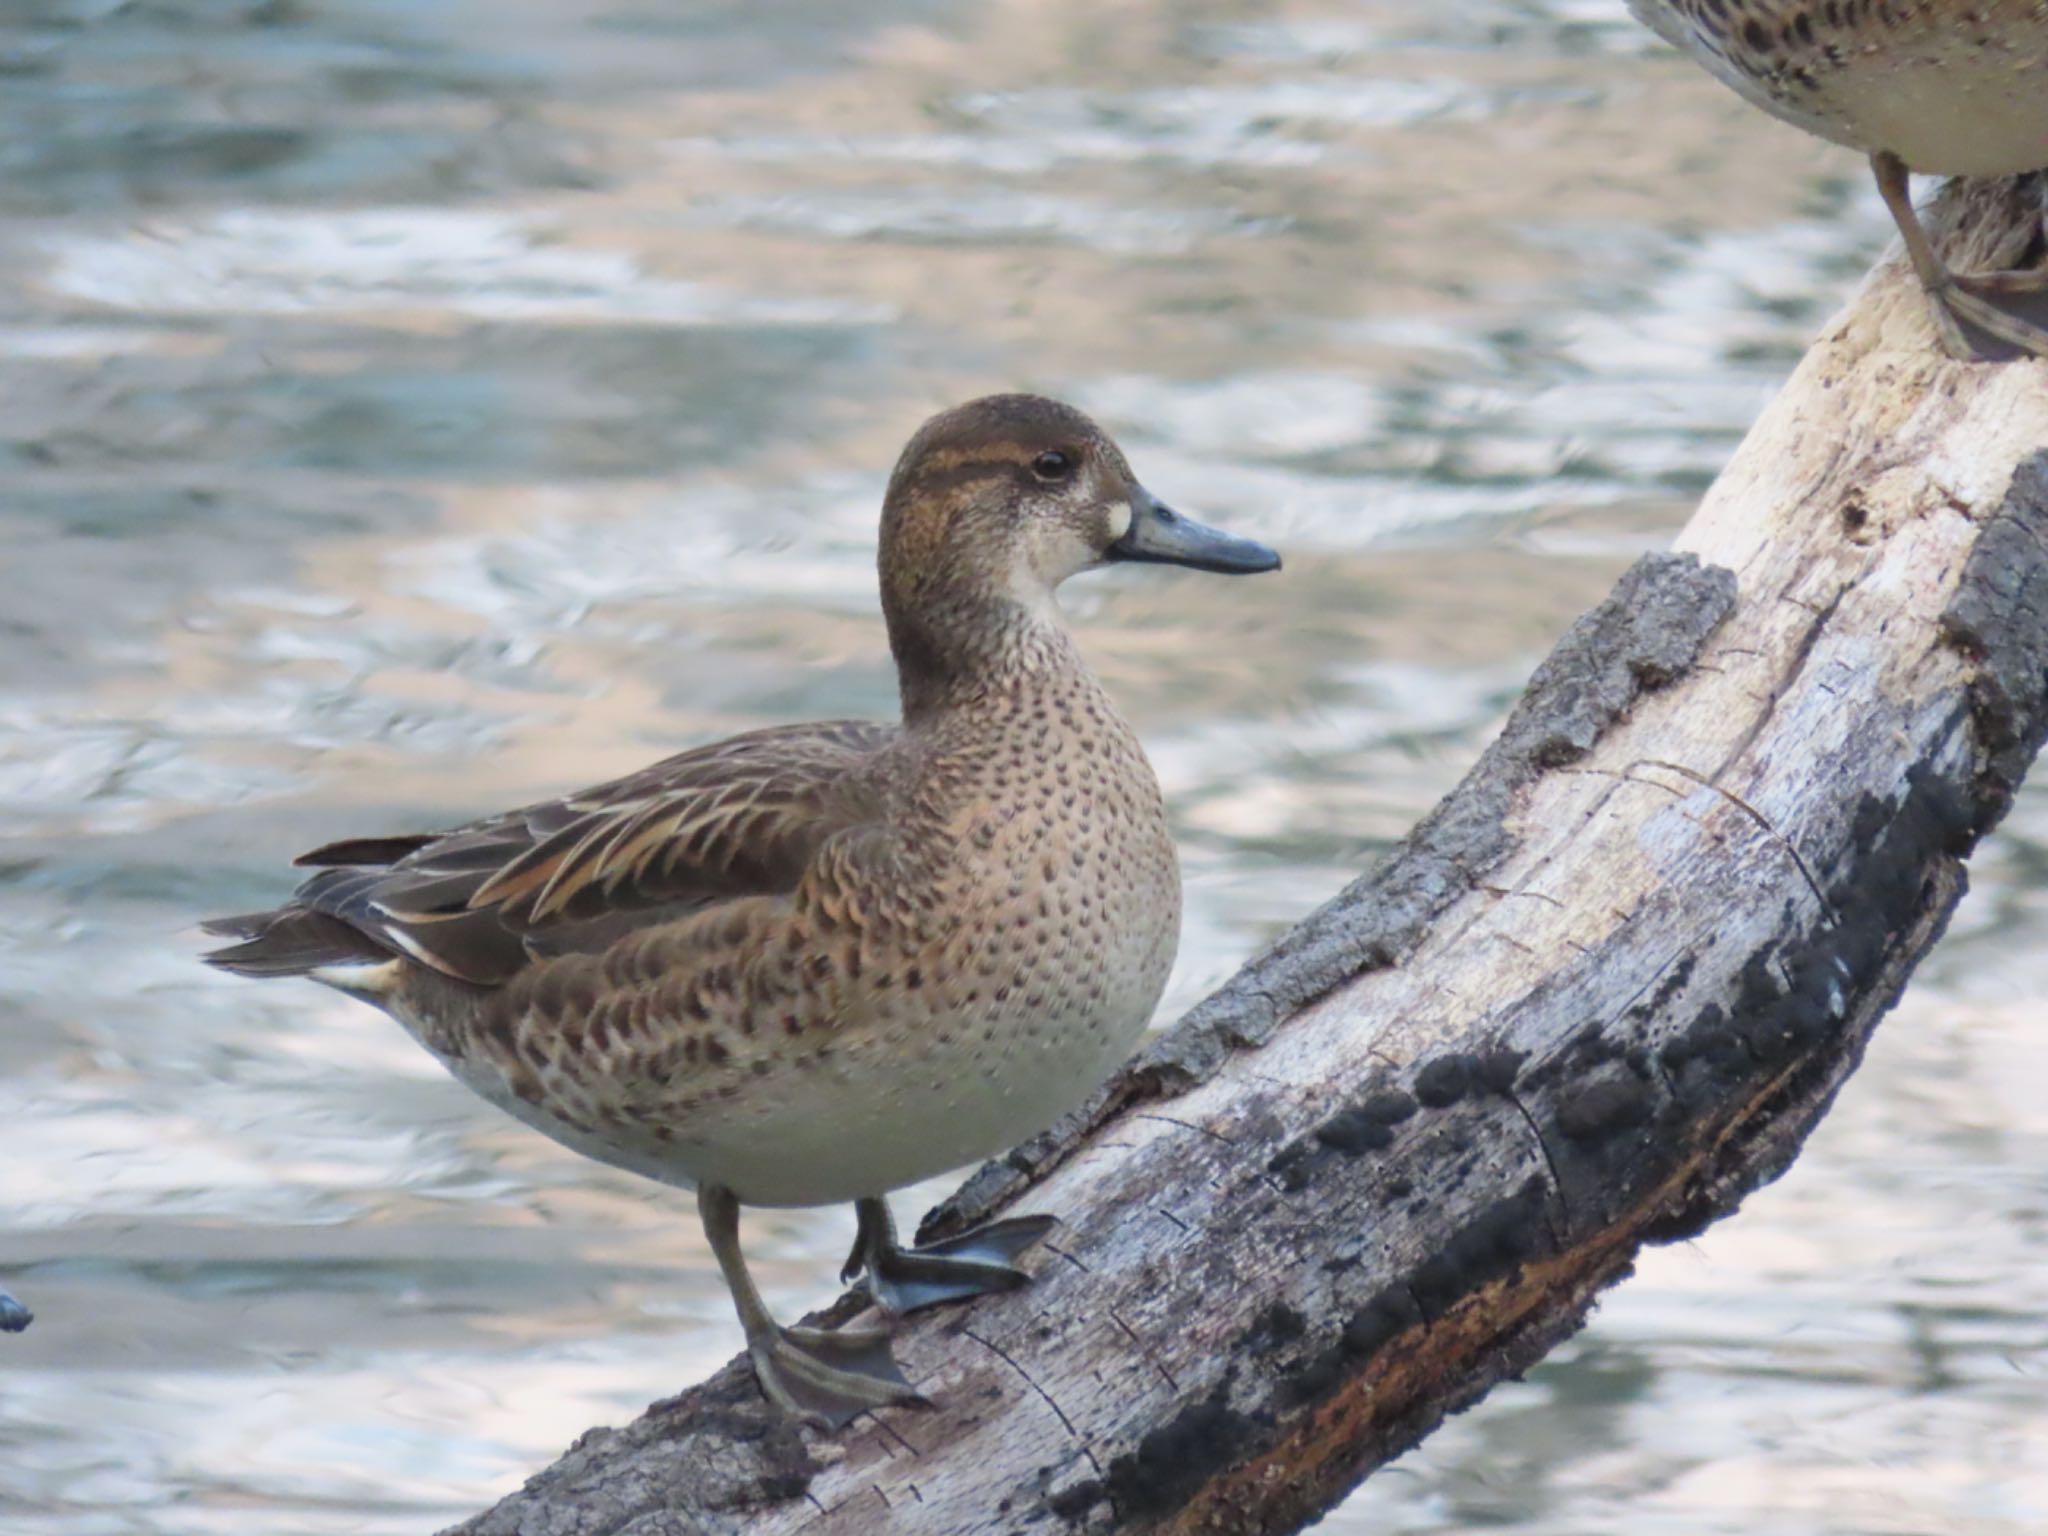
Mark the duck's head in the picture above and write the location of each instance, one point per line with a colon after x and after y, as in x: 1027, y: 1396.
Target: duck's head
x: 995, y: 503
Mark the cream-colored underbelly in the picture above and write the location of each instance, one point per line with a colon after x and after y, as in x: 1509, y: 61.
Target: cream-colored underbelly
x: 1949, y: 96
x: 1985, y: 115
x: 896, y: 1101
x: 891, y: 1117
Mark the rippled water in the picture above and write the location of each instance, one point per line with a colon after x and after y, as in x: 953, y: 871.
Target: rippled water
x: 412, y: 409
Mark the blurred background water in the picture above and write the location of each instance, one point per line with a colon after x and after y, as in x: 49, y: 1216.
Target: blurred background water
x: 413, y: 409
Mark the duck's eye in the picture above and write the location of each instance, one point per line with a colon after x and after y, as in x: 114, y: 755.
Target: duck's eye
x: 1053, y: 465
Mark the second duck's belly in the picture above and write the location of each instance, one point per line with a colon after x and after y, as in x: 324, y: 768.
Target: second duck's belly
x: 1992, y: 121
x: 1949, y: 94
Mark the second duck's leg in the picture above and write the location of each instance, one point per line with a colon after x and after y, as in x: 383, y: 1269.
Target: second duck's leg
x: 1981, y: 298
x: 972, y: 1264
x: 818, y: 1373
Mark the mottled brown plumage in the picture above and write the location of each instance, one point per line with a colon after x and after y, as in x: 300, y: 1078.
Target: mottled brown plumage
x: 819, y: 962
x: 1944, y: 87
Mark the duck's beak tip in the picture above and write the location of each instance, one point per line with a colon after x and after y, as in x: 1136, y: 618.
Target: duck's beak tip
x: 1161, y: 535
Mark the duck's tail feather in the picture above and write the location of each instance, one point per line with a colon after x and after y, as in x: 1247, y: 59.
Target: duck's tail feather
x: 290, y: 941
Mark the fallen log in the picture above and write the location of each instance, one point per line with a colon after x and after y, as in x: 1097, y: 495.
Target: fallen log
x: 1598, y: 996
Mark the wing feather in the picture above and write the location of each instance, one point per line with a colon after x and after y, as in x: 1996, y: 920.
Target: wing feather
x: 742, y: 817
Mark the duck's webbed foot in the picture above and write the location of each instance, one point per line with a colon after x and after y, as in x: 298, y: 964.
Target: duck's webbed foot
x: 827, y: 1375
x: 13, y: 1315
x: 975, y: 1263
x: 830, y: 1375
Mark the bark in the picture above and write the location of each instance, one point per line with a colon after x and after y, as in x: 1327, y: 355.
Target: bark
x: 1598, y: 996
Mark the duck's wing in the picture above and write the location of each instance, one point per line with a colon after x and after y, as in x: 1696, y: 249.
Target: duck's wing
x: 742, y: 817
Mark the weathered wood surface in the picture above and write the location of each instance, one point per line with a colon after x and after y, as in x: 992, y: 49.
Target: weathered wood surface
x: 1600, y: 994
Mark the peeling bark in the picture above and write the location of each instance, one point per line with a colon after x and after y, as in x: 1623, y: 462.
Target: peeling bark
x: 1598, y: 996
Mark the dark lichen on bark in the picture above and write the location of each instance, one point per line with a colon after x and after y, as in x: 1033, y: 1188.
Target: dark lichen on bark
x: 1999, y: 620
x: 1806, y: 1003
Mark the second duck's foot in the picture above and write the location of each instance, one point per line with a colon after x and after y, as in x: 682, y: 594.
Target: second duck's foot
x: 2009, y: 307
x: 2004, y: 308
x: 829, y: 1375
x: 975, y: 1263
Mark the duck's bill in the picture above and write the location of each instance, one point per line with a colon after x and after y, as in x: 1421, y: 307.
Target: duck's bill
x: 1160, y: 534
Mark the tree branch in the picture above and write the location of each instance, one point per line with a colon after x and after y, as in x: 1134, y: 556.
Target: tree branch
x: 1598, y: 996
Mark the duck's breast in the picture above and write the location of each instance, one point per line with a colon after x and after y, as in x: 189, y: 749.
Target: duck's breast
x: 1004, y: 972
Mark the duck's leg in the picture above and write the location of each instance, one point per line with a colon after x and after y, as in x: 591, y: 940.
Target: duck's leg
x: 972, y: 1264
x: 825, y: 1374
x: 1981, y: 298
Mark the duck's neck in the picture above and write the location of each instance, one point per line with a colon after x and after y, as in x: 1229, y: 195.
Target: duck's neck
x: 955, y: 653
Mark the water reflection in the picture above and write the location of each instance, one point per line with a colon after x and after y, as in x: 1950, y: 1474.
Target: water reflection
x: 416, y: 409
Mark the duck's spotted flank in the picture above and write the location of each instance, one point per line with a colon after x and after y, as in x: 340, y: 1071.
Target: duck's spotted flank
x: 816, y: 963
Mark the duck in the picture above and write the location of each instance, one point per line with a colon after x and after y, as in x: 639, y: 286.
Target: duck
x: 1939, y: 87
x: 812, y: 964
